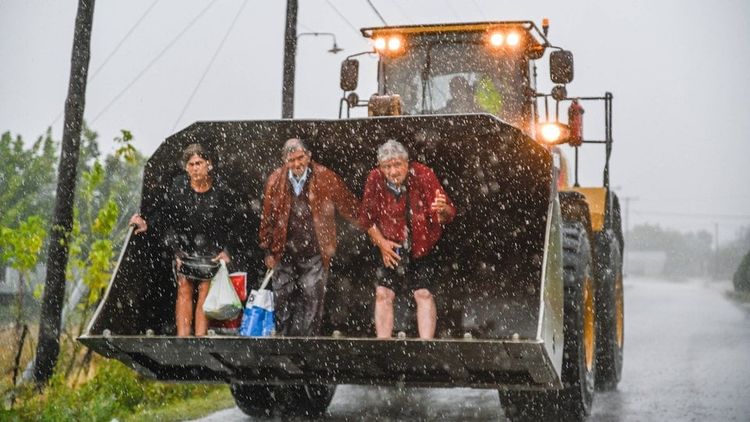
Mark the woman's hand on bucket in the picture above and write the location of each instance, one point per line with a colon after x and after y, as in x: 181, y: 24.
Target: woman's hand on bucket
x: 222, y: 256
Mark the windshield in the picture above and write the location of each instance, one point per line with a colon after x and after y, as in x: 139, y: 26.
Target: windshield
x: 459, y: 77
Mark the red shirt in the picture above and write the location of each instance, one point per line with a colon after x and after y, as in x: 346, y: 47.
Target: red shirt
x: 381, y: 207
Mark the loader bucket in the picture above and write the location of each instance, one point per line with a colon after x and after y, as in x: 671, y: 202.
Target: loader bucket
x: 495, y: 285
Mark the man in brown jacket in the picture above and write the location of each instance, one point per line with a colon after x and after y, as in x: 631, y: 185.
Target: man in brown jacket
x: 298, y: 234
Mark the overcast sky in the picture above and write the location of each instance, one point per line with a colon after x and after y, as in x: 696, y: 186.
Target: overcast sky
x: 678, y: 71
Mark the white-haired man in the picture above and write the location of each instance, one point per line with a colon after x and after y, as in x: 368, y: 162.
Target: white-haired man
x: 298, y: 234
x: 403, y: 210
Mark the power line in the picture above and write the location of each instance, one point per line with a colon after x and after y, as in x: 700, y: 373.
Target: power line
x: 122, y: 41
x: 401, y: 11
x: 374, y: 9
x: 341, y: 15
x: 152, y: 62
x: 113, y: 52
x: 210, y: 63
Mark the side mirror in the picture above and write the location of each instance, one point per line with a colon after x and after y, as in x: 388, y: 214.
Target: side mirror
x: 349, y: 74
x: 561, y: 66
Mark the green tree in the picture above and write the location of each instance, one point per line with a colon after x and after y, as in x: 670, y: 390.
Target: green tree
x: 122, y: 182
x: 104, y: 182
x: 27, y: 178
x: 20, y: 248
x: 26, y: 183
x: 107, y: 191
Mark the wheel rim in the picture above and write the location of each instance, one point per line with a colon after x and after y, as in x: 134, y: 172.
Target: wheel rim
x: 620, y: 311
x: 589, y: 322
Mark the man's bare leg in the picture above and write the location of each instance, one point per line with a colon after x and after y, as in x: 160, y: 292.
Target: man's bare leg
x: 201, y: 321
x: 184, y: 306
x: 426, y: 313
x: 384, y: 311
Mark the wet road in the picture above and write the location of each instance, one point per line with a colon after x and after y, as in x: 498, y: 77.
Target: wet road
x: 687, y: 358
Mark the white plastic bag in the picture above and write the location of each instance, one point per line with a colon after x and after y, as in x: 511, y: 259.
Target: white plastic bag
x: 222, y: 302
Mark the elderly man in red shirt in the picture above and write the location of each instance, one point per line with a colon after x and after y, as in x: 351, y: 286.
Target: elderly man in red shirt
x: 403, y: 210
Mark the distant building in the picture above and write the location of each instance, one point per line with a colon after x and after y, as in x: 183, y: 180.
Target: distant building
x: 645, y: 263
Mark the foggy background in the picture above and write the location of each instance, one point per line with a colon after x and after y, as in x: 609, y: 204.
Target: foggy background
x: 677, y: 70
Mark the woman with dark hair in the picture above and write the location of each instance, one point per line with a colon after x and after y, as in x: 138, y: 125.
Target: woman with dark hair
x: 196, y: 220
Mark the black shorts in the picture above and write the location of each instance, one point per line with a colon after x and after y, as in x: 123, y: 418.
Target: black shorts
x: 410, y: 275
x: 196, y: 268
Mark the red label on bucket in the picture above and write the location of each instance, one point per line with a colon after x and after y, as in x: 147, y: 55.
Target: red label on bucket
x: 239, y: 281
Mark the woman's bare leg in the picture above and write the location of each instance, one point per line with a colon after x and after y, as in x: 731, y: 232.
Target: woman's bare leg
x: 201, y: 322
x: 184, y: 306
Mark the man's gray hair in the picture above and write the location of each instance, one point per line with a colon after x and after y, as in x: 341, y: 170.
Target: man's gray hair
x: 392, y: 149
x: 291, y: 145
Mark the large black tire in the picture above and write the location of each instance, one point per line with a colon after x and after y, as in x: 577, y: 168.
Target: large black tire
x: 573, y: 401
x: 610, y: 312
x: 309, y: 400
x: 254, y: 400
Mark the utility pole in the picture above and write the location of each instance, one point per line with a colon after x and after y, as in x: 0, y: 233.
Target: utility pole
x: 290, y: 51
x: 62, y: 222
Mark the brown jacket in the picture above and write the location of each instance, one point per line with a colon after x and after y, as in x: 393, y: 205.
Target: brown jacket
x: 326, y: 193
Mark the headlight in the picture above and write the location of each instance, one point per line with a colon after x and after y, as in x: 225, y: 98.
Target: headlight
x: 553, y: 133
x: 496, y: 39
x: 503, y: 39
x: 379, y: 43
x: 513, y: 39
x: 390, y: 45
x: 394, y: 44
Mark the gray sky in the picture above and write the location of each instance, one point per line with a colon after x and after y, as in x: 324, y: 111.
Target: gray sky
x: 677, y: 69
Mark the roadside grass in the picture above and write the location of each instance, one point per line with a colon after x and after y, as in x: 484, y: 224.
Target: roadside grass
x: 98, y: 389
x: 115, y: 391
x: 218, y: 398
x: 9, y: 349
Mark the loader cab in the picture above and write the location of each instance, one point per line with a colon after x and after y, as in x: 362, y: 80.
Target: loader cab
x: 458, y: 69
